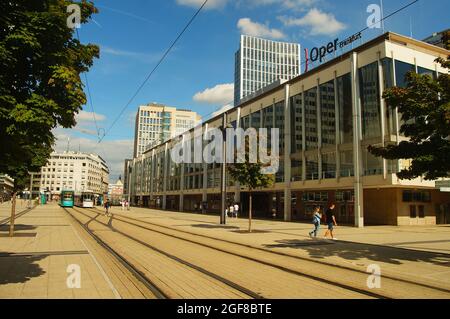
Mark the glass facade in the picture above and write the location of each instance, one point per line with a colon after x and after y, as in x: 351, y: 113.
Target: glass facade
x: 296, y: 124
x: 312, y: 167
x: 311, y: 138
x: 279, y: 123
x: 328, y: 114
x: 329, y: 165
x: 344, y: 92
x: 401, y: 70
x: 370, y: 101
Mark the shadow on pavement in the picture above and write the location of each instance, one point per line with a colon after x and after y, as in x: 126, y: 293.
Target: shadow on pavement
x: 356, y: 251
x: 18, y: 227
x: 209, y: 226
x: 19, y: 269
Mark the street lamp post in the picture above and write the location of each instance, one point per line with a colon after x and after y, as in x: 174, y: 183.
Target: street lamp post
x: 31, y: 191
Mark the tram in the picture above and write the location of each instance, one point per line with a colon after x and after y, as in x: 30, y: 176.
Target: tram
x: 67, y: 199
x: 85, y: 199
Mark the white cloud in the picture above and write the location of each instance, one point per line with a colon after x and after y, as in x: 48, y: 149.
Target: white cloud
x: 84, y: 116
x: 212, y: 4
x: 320, y: 23
x: 220, y: 94
x: 113, y: 152
x: 296, y: 5
x: 248, y: 27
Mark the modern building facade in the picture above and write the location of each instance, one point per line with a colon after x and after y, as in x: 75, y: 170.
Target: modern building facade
x: 260, y: 62
x: 73, y: 171
x: 327, y: 118
x: 6, y: 187
x: 157, y: 123
x: 440, y: 39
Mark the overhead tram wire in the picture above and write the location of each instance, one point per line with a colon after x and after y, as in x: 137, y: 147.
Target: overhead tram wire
x: 90, y: 96
x: 154, y: 69
x: 91, y: 103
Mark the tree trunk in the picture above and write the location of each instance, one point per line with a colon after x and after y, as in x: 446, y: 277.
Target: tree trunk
x: 13, y: 215
x: 250, y: 215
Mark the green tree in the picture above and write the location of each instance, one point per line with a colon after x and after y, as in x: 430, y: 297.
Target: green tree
x: 40, y: 87
x: 250, y: 176
x: 425, y: 108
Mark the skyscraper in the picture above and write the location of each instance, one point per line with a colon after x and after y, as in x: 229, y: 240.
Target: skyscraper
x: 156, y: 123
x: 260, y: 62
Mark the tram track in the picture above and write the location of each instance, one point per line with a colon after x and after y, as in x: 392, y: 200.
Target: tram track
x: 300, y: 274
x: 141, y: 276
x: 296, y: 257
x: 136, y: 273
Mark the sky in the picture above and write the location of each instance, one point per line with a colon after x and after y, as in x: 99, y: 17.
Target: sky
x: 198, y: 73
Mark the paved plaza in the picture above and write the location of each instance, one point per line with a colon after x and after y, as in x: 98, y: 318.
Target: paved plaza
x: 34, y: 263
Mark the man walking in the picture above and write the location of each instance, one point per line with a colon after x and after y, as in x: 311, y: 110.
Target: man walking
x: 107, y: 206
x: 317, y: 217
x: 331, y: 221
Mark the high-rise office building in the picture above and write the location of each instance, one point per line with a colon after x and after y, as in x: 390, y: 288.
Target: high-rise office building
x: 260, y: 62
x: 156, y: 123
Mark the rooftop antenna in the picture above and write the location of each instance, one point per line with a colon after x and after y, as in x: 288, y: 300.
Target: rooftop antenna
x: 68, y: 144
x: 382, y: 15
x: 410, y: 27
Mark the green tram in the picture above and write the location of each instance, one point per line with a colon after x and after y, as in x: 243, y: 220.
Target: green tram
x: 67, y: 198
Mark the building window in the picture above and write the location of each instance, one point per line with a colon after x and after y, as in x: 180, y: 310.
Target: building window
x: 401, y: 70
x: 347, y: 167
x: 329, y: 165
x: 344, y: 92
x: 370, y: 102
x: 296, y: 124
x: 328, y: 114
x: 311, y: 119
x: 312, y: 167
x: 412, y: 211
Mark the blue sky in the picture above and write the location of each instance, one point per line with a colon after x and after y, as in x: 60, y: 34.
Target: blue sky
x: 198, y: 73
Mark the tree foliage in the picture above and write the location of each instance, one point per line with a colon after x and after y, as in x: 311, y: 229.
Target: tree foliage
x: 425, y: 108
x: 40, y: 86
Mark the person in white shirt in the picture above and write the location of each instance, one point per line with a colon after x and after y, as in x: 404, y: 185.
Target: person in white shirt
x: 231, y: 211
x: 123, y: 204
x: 236, y: 210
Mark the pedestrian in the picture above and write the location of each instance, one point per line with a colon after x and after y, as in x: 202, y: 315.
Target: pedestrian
x: 317, y: 217
x: 331, y: 221
x: 107, y: 206
x: 236, y: 210
x: 226, y: 212
x: 231, y: 210
x: 127, y: 204
x: 123, y: 204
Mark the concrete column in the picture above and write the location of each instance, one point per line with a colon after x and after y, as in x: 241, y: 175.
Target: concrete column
x: 205, y: 175
x: 237, y: 192
x: 382, y: 110
x: 319, y: 130
x: 287, y: 156
x: 303, y: 136
x: 166, y: 177
x: 183, y: 165
x: 357, y: 137
x: 338, y: 129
